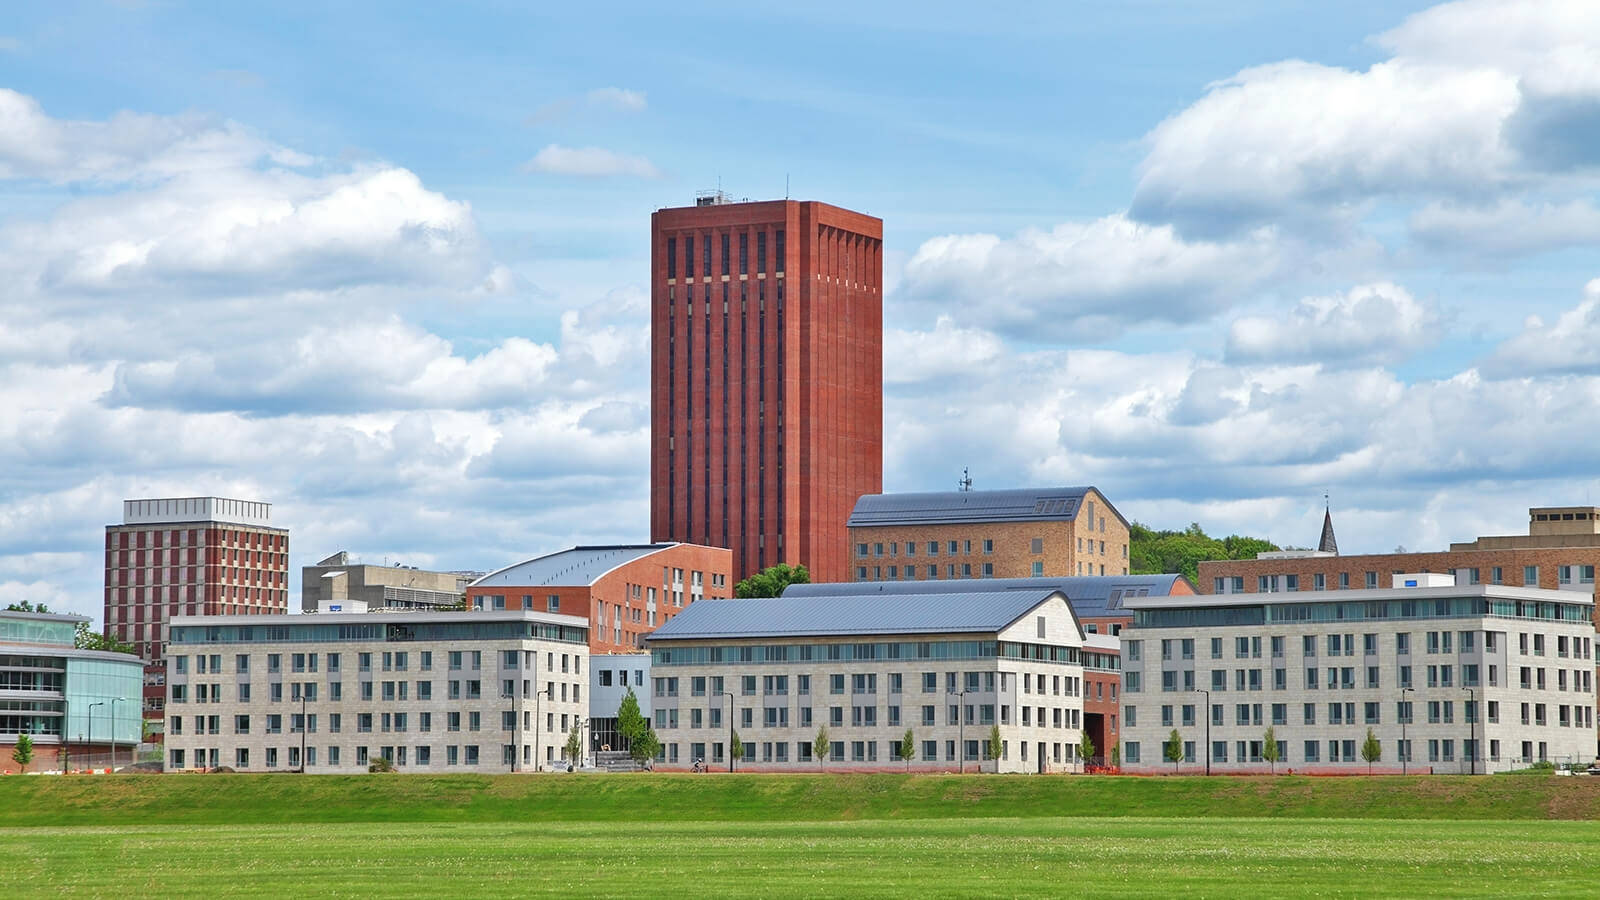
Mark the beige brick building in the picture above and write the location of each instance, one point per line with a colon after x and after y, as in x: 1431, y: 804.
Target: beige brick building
x: 1024, y: 533
x: 468, y: 691
x: 949, y: 667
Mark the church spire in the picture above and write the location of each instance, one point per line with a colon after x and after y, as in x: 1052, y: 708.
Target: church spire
x: 1328, y: 544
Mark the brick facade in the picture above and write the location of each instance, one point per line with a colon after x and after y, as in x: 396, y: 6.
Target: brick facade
x: 766, y: 379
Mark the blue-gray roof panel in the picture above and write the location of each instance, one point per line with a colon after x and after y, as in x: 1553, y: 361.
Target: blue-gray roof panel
x: 1060, y: 504
x: 1091, y: 596
x: 845, y: 614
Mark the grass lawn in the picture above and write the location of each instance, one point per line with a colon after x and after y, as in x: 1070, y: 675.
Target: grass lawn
x: 907, y: 857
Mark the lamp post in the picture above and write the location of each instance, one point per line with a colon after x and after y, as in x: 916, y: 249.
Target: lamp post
x: 91, y: 725
x: 1208, y: 726
x: 582, y: 744
x: 516, y: 726
x: 537, y: 694
x: 730, y: 727
x: 961, y: 732
x: 1472, y: 731
x: 1405, y: 745
x: 304, y: 725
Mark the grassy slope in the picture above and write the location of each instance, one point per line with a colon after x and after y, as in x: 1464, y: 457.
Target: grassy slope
x: 285, y: 799
x: 951, y: 857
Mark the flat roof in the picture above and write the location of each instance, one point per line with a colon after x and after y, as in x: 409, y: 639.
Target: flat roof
x: 1091, y: 596
x: 871, y: 614
x: 399, y: 616
x: 579, y: 566
x: 74, y: 618
x: 1054, y: 504
x: 1279, y: 598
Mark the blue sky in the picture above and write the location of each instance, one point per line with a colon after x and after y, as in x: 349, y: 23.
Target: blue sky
x: 384, y: 266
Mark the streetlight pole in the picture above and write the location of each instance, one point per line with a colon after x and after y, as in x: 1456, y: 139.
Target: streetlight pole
x: 304, y: 725
x: 582, y: 745
x: 961, y: 732
x: 1472, y: 731
x: 516, y: 726
x: 730, y: 726
x: 1208, y: 727
x: 91, y: 724
x: 114, y: 702
x: 1405, y: 745
x: 537, y: 695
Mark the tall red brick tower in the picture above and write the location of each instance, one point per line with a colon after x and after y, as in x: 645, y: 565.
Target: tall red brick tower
x: 766, y: 378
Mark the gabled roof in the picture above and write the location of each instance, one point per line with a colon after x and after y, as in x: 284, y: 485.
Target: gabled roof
x: 838, y: 615
x: 1091, y: 596
x: 1060, y: 504
x: 578, y: 567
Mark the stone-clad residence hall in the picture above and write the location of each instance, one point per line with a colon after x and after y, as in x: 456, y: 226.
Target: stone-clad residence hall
x: 474, y: 691
x: 1449, y: 678
x: 1021, y: 533
x: 947, y: 666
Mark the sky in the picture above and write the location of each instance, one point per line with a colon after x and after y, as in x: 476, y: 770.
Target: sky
x: 385, y: 267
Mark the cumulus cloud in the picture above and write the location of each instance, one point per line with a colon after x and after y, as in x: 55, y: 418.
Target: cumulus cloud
x: 1077, y: 277
x: 1370, y: 324
x: 613, y: 99
x: 589, y: 162
x: 1568, y: 346
x: 1477, y: 98
x: 927, y: 357
x: 1507, y: 227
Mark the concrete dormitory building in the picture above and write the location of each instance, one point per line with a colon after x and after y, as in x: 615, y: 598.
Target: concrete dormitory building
x: 867, y: 667
x: 1449, y: 677
x: 476, y: 691
x: 946, y: 535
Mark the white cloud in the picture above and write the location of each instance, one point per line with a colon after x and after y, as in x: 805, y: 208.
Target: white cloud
x: 611, y: 99
x: 591, y: 162
x: 1373, y: 323
x: 620, y: 99
x: 9, y: 44
x: 920, y: 357
x: 1077, y: 278
x: 1568, y: 346
x: 1477, y: 99
x: 1508, y: 227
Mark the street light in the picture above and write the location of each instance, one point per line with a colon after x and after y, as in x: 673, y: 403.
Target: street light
x: 961, y: 732
x: 114, y: 702
x: 516, y: 726
x: 1208, y: 726
x: 1472, y: 731
x: 730, y: 727
x: 1405, y: 745
x: 582, y: 746
x: 91, y: 726
x: 304, y: 723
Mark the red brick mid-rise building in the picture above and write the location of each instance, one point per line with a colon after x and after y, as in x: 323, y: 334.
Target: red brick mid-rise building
x: 189, y: 556
x: 766, y: 378
x: 624, y: 590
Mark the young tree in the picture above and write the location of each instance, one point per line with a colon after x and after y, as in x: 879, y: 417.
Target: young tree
x: 1371, y: 750
x: 1269, y: 749
x: 908, y: 748
x: 735, y: 747
x: 820, y: 746
x: 645, y: 747
x: 574, y: 745
x: 84, y: 639
x: 1173, y: 749
x: 771, y: 581
x: 23, y: 753
x: 1116, y: 755
x: 1086, y: 748
x: 631, y: 723
x: 996, y: 746
x: 64, y: 758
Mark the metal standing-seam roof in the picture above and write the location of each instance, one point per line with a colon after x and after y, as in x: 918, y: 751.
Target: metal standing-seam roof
x: 871, y: 614
x: 1091, y: 596
x: 1060, y: 504
x: 568, y: 568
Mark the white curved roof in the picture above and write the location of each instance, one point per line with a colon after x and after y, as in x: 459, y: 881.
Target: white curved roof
x: 579, y: 566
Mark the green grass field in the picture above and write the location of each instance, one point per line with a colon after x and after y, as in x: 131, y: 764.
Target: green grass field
x: 792, y: 835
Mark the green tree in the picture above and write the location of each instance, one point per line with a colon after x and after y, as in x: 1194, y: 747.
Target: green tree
x: 1086, y: 748
x: 22, y: 754
x: 631, y: 723
x: 735, y: 748
x: 908, y: 747
x: 85, y: 639
x: 1173, y: 749
x: 1116, y: 755
x: 1269, y: 749
x: 25, y: 606
x: 771, y: 581
x: 380, y: 764
x: 1371, y: 750
x: 820, y: 746
x: 574, y: 745
x: 996, y: 746
x: 645, y: 747
x: 1153, y: 552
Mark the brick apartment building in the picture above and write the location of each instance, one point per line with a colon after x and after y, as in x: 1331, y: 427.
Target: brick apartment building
x: 189, y: 556
x: 766, y: 393
x: 1023, y: 533
x: 1560, y: 552
x: 624, y: 591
